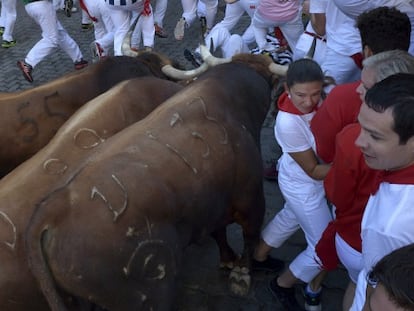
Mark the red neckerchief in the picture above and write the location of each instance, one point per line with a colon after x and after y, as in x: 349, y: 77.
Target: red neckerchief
x: 403, y: 176
x: 285, y: 104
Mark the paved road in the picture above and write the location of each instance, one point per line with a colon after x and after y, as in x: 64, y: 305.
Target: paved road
x: 202, y: 285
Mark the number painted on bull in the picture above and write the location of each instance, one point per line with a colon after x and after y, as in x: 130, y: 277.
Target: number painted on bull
x: 28, y: 124
x: 115, y: 212
x: 201, y: 101
x: 176, y: 118
x: 47, y: 103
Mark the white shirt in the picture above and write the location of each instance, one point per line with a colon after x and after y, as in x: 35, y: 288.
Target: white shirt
x: 387, y: 224
x: 293, y: 134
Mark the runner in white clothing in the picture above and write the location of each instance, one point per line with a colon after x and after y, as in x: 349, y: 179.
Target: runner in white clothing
x: 354, y: 8
x: 387, y: 143
x: 300, y: 181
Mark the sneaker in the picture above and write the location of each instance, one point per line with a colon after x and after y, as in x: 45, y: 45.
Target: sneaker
x: 87, y: 26
x: 81, y: 64
x: 270, y: 173
x: 160, y: 32
x: 270, y: 264
x: 26, y: 70
x: 8, y: 44
x: 179, y: 29
x: 1, y: 31
x: 285, y: 296
x: 67, y: 8
x: 194, y: 58
x: 312, y: 301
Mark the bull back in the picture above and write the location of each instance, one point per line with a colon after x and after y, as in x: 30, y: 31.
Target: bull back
x: 189, y: 168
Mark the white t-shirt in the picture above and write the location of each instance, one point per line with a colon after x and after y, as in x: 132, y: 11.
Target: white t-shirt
x: 354, y: 8
x: 342, y: 36
x: 293, y: 134
x: 278, y: 11
x: 318, y: 6
x: 387, y: 224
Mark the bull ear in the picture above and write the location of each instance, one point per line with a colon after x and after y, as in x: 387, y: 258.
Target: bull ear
x: 126, y: 46
x: 178, y: 74
x: 210, y: 59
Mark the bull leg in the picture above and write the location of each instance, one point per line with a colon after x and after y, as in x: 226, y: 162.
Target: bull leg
x: 227, y: 254
x: 251, y: 223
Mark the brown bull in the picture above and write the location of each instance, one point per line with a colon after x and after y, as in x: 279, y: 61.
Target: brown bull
x: 29, y: 119
x: 114, y: 234
x: 53, y: 167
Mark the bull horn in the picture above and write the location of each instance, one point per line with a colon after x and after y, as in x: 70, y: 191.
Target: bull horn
x: 210, y: 59
x: 126, y: 46
x: 177, y: 74
x: 278, y: 70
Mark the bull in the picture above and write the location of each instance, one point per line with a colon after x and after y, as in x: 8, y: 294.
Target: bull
x: 30, y: 118
x: 52, y: 167
x: 114, y: 233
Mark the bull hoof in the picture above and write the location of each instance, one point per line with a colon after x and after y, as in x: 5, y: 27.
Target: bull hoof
x: 240, y: 280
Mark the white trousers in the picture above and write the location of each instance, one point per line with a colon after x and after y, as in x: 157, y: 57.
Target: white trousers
x: 305, y: 208
x: 234, y: 12
x: 291, y: 30
x: 350, y: 258
x: 104, y: 28
x: 341, y: 67
x: 159, y: 12
x: 228, y: 43
x: 121, y: 17
x: 53, y: 34
x: 8, y: 11
x: 190, y: 11
x: 144, y: 31
x: 305, y: 42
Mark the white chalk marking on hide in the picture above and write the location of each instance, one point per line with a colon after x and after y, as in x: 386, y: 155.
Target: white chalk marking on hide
x: 182, y: 157
x: 118, y: 212
x: 150, y: 135
x: 12, y: 244
x: 175, y: 118
x: 54, y: 166
x: 127, y: 269
x: 149, y: 225
x: 160, y: 268
x: 76, y: 139
x: 210, y: 118
x: 199, y: 136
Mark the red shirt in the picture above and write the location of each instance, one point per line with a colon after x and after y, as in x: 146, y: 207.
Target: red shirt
x: 339, y: 109
x: 348, y: 186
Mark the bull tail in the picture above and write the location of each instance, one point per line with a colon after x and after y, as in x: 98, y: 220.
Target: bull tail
x: 35, y: 237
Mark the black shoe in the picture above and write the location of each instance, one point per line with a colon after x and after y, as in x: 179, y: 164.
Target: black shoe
x: 194, y: 58
x: 270, y: 264
x: 312, y: 301
x: 285, y: 296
